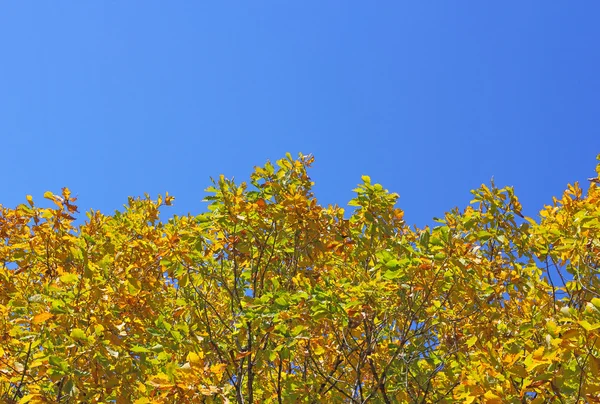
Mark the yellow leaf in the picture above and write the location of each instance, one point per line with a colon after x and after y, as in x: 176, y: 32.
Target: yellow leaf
x: 37, y: 362
x: 209, y: 391
x: 42, y: 317
x: 194, y: 358
x: 98, y: 329
x: 471, y: 341
x: 32, y: 399
x: 26, y: 399
x: 509, y: 359
x: 69, y: 278
x: 218, y: 369
x: 319, y: 350
x: 160, y: 381
x: 587, y: 326
x: 469, y: 399
x: 538, y: 353
x: 491, y: 398
x: 30, y: 200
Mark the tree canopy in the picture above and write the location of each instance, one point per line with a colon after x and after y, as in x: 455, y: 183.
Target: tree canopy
x: 269, y: 297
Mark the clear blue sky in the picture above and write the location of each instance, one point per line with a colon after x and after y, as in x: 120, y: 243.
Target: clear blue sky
x: 431, y: 99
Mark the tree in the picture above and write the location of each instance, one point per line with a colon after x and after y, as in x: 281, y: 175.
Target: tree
x: 271, y: 297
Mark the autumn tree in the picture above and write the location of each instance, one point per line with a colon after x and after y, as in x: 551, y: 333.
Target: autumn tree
x: 271, y: 297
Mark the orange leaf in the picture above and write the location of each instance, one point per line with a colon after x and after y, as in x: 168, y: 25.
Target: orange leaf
x: 243, y: 354
x: 42, y: 317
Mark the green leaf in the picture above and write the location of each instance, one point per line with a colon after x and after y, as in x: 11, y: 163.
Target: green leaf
x: 54, y: 360
x: 392, y: 264
x: 139, y: 349
x: 298, y: 330
x: 484, y: 235
x: 587, y: 326
x: 183, y: 281
x: 78, y: 334
x: 424, y: 239
x: 282, y: 301
x: 391, y: 275
x: 58, y: 363
x: 58, y: 307
x: 68, y: 387
x: 439, y: 256
x: 133, y: 286
x: 69, y: 278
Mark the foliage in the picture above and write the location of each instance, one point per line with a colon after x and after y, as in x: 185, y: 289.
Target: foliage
x: 271, y: 297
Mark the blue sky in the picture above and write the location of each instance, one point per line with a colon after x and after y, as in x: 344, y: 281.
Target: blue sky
x: 430, y: 99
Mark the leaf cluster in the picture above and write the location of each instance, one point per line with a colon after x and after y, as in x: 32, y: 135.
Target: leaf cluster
x: 272, y: 297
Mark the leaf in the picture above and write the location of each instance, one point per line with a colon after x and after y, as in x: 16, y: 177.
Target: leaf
x: 282, y: 301
x: 243, y: 354
x: 297, y: 330
x: 78, y: 334
x: 57, y: 362
x: 484, y: 235
x: 112, y: 352
x: 42, y: 317
x: 195, y: 358
x: 391, y: 275
x: 392, y: 264
x: 471, y: 341
x: 183, y: 280
x: 492, y: 398
x: 319, y: 350
x: 587, y: 326
x: 305, y: 294
x: 160, y: 381
x: 133, y: 286
x: 29, y: 397
x: 37, y: 298
x: 69, y: 278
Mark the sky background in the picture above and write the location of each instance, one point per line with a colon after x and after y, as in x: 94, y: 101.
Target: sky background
x: 431, y: 99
